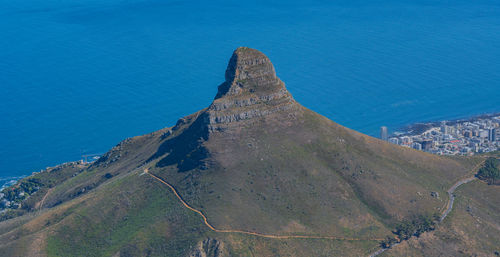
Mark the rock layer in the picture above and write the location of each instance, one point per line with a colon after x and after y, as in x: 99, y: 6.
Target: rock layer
x: 251, y: 90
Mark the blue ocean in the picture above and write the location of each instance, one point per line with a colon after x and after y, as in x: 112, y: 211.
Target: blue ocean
x: 79, y: 76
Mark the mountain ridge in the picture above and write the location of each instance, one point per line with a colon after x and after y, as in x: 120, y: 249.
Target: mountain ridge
x: 250, y: 76
x: 254, y: 160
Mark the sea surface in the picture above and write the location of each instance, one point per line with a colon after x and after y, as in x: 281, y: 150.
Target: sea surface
x: 79, y: 76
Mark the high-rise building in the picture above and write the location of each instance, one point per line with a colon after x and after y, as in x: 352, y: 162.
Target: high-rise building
x: 492, y: 134
x: 394, y: 140
x: 416, y: 145
x: 383, y: 133
x: 426, y: 145
x: 406, y: 140
x: 444, y: 128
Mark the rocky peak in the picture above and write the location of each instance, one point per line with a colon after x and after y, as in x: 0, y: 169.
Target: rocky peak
x: 249, y: 71
x: 251, y: 89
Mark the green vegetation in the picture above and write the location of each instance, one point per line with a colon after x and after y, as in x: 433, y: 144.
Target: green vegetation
x: 15, y: 196
x: 414, y: 227
x: 309, y: 177
x: 269, y: 166
x: 490, y: 172
x: 471, y: 229
x: 142, y: 224
x: 22, y: 189
x: 22, y: 197
x: 11, y: 213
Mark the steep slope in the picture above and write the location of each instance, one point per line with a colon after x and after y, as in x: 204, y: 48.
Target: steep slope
x: 472, y: 229
x: 255, y: 160
x: 259, y: 161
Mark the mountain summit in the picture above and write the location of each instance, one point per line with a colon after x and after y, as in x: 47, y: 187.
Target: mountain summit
x: 249, y: 71
x: 251, y: 95
x: 253, y: 174
x: 251, y: 90
x: 255, y: 156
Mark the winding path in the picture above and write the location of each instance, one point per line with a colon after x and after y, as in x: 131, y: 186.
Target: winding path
x: 451, y: 195
x: 449, y: 205
x: 42, y: 202
x: 451, y: 191
x: 205, y: 220
x: 446, y: 210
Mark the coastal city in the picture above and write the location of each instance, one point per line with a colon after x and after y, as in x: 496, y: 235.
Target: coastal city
x: 461, y: 137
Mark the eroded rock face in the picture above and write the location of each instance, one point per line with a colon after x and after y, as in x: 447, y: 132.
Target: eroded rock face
x: 249, y: 71
x: 251, y: 90
x: 209, y: 248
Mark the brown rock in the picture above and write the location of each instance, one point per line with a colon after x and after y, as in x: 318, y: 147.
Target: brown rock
x: 251, y: 90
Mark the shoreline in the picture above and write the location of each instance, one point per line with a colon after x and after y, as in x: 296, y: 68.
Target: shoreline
x: 418, y: 128
x: 464, y: 136
x: 412, y: 129
x: 6, y: 182
x: 9, y: 181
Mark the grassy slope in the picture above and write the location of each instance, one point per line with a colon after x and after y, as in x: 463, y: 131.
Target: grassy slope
x: 308, y: 176
x: 143, y: 219
x: 312, y: 176
x: 121, y: 159
x: 47, y: 179
x: 471, y: 229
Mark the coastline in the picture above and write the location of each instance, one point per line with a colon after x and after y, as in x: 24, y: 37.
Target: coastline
x: 412, y: 129
x: 16, y: 191
x: 418, y: 128
x: 12, y: 180
x: 9, y: 181
x: 463, y: 136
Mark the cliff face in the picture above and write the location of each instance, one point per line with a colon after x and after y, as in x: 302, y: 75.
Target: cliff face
x: 249, y: 71
x: 250, y: 93
x: 251, y: 90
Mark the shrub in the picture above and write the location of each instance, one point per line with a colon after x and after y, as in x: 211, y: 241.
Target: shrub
x: 414, y: 227
x: 490, y: 172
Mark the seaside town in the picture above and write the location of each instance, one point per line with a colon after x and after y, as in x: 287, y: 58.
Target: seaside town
x: 462, y: 137
x: 12, y: 197
x: 14, y: 191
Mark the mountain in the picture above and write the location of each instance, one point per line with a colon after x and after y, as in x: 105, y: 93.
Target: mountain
x: 253, y: 174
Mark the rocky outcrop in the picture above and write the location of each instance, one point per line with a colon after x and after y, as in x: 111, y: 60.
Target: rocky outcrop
x: 251, y: 90
x: 251, y: 71
x: 209, y: 248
